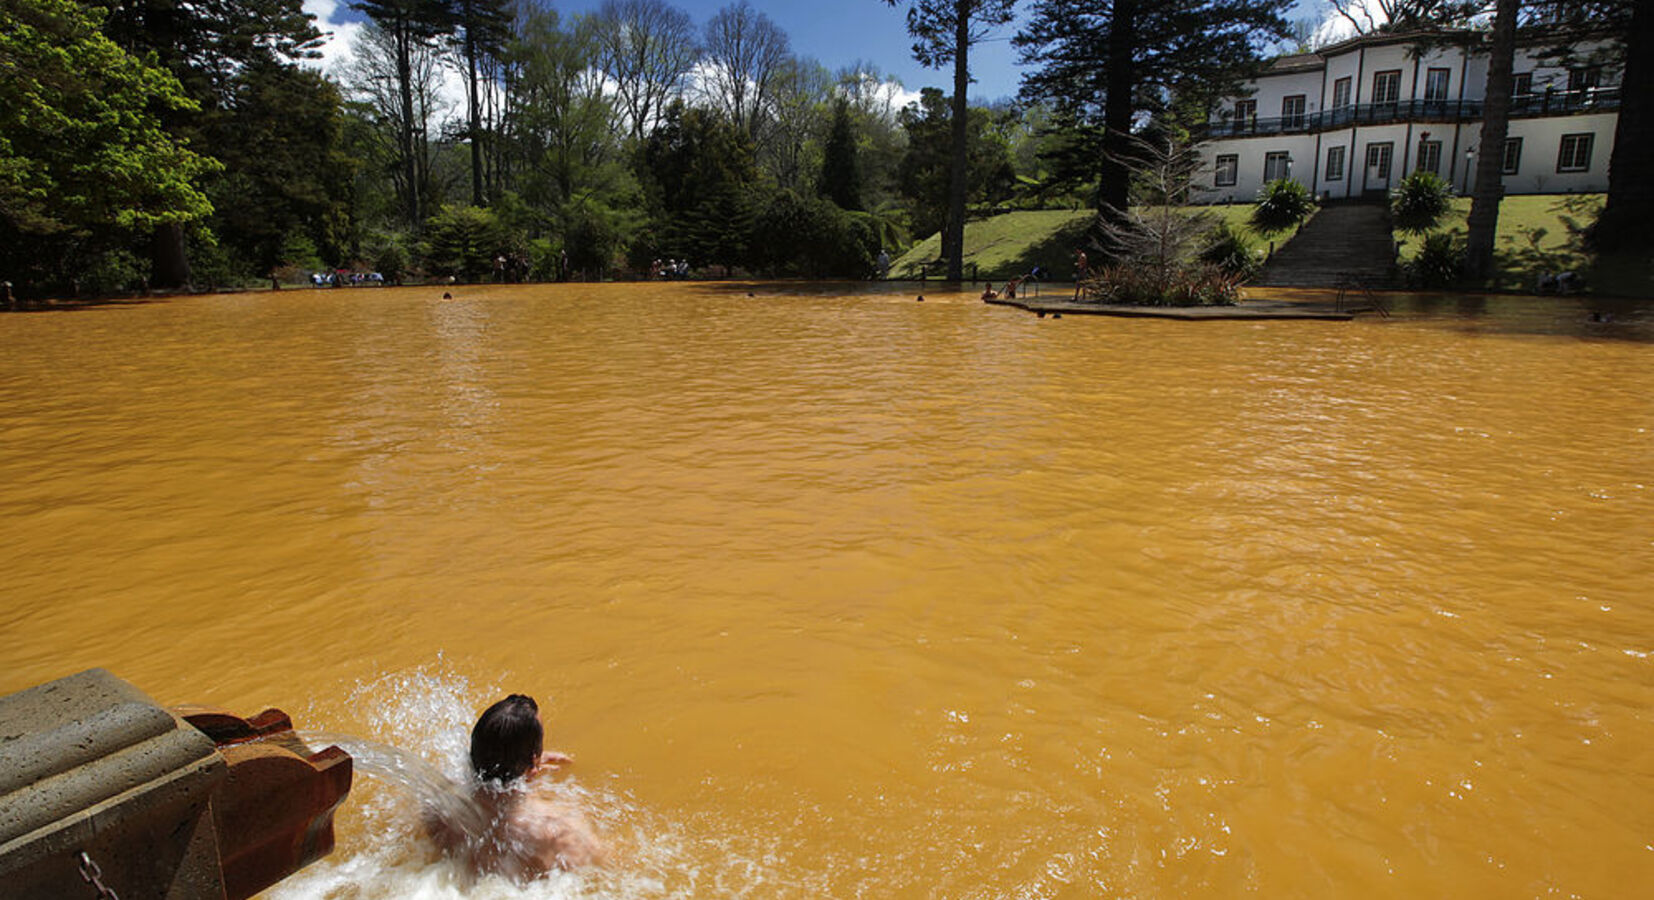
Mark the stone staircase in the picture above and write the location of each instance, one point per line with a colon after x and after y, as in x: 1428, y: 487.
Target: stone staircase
x: 1343, y: 245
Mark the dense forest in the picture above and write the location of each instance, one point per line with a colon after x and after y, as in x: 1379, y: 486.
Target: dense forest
x: 153, y: 144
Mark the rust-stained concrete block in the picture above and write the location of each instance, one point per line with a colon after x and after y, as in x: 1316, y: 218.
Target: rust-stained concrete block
x: 88, y: 763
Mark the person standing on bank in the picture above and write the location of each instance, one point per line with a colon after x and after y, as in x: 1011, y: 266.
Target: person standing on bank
x: 528, y: 834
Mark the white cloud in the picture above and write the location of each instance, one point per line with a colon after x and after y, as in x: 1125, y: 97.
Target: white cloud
x: 339, y: 37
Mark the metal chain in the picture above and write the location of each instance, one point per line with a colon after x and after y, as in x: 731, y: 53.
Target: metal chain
x: 92, y: 875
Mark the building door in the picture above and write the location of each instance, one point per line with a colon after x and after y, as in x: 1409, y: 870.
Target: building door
x: 1376, y: 177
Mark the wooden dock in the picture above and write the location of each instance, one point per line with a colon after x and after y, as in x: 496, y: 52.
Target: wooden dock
x: 1260, y: 309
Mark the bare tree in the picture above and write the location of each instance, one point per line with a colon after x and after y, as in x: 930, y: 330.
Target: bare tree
x: 1368, y: 16
x: 746, y: 52
x: 869, y: 91
x: 1160, y: 229
x: 796, y: 121
x: 646, y: 48
x: 406, y: 99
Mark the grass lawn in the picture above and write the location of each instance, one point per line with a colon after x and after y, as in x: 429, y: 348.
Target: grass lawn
x: 1010, y: 244
x: 1537, y: 234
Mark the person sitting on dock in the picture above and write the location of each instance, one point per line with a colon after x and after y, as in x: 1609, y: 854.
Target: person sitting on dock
x: 527, y: 835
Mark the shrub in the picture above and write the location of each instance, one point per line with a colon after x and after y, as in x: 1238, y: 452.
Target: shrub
x: 388, y: 254
x: 1140, y: 286
x: 111, y: 272
x: 463, y: 241
x: 1437, y: 263
x: 809, y: 236
x: 1282, y: 205
x: 1421, y: 200
x: 1229, y: 249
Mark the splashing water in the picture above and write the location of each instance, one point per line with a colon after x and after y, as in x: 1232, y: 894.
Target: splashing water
x: 416, y: 766
x: 435, y: 792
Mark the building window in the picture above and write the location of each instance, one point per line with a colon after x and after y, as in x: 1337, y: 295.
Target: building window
x: 1378, y: 161
x: 1387, y: 86
x: 1228, y: 167
x: 1522, y: 84
x: 1584, y: 78
x: 1276, y: 166
x: 1435, y: 84
x: 1335, y: 164
x: 1430, y: 157
x: 1292, y: 112
x: 1575, y: 153
x: 1246, y: 112
x: 1341, y: 92
x: 1511, y: 158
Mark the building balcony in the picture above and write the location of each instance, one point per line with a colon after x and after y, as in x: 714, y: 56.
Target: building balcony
x: 1522, y: 106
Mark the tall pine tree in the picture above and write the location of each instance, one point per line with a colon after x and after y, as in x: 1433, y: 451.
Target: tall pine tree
x: 408, y: 24
x: 482, y: 28
x: 1106, y: 64
x: 944, y: 31
x: 840, y: 174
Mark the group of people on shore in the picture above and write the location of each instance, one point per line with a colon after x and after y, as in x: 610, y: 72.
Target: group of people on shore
x: 345, y: 278
x: 672, y: 270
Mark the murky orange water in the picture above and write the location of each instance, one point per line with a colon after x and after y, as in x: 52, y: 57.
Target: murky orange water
x: 851, y: 596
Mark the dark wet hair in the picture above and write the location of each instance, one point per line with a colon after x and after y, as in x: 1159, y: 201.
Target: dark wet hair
x: 507, y: 740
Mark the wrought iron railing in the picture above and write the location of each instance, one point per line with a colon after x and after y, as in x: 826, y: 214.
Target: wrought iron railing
x: 1546, y: 103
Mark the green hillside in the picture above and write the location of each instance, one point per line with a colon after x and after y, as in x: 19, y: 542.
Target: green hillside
x: 1012, y: 243
x: 1537, y: 234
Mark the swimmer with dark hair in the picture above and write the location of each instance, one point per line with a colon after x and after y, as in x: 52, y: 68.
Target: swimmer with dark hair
x: 527, y: 835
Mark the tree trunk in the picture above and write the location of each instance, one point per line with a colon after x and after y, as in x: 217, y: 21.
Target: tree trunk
x: 953, y: 234
x: 1120, y: 81
x: 169, y: 261
x: 1483, y: 221
x: 404, y: 83
x: 1623, y: 225
x: 476, y: 119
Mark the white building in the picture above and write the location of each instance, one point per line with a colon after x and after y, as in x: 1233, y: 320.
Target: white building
x: 1352, y: 119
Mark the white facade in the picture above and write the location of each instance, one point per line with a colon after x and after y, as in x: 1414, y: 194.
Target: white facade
x: 1353, y: 119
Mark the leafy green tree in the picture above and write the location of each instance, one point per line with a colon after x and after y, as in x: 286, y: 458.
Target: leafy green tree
x: 840, y: 171
x: 574, y: 181
x: 812, y: 237
x: 206, y: 46
x: 1102, y: 66
x: 925, y: 171
x: 944, y: 31
x: 880, y: 141
x: 288, y: 175
x: 83, y: 155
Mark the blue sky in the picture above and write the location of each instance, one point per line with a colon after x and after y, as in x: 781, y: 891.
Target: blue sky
x: 834, y: 32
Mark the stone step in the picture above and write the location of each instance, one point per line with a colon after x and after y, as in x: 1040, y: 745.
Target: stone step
x: 1339, y: 243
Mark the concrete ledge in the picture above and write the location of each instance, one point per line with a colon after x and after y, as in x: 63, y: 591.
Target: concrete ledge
x: 1246, y: 309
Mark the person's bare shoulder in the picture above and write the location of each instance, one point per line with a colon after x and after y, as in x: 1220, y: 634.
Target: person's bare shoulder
x: 557, y: 834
